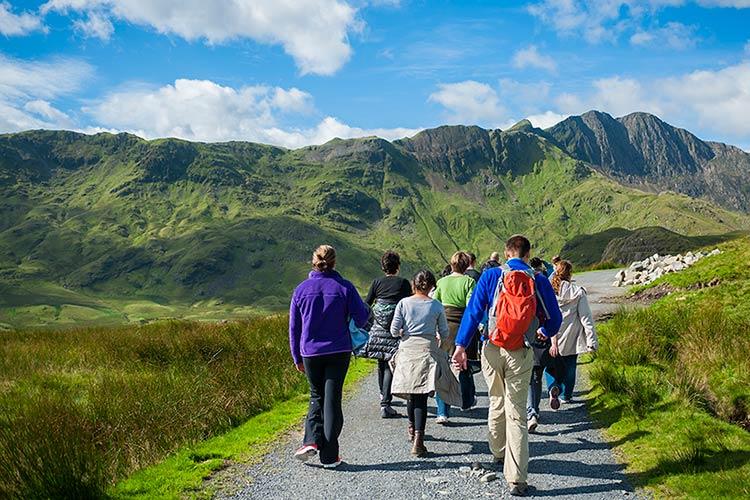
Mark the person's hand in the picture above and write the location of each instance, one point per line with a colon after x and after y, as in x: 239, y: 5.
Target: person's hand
x: 300, y: 367
x: 540, y: 335
x: 553, y: 350
x: 459, y: 358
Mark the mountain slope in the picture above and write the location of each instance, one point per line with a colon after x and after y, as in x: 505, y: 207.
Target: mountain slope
x: 641, y: 150
x: 116, y: 228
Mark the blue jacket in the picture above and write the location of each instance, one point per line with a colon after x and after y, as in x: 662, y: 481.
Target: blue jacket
x: 481, y: 301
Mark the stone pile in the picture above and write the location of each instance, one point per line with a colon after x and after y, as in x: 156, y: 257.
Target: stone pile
x: 645, y: 271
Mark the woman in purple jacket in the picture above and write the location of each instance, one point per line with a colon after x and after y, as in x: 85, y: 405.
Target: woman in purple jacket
x: 321, y: 346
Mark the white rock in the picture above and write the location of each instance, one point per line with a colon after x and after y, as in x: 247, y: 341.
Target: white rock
x: 715, y: 251
x: 489, y: 477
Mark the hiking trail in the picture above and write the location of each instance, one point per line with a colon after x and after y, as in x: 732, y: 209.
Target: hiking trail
x: 569, y: 458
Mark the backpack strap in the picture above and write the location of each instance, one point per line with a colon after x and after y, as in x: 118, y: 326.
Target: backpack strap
x: 539, y: 299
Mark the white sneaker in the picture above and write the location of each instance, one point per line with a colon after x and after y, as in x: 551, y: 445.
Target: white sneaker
x: 532, y: 423
x: 441, y: 419
x: 333, y: 465
x: 305, y: 452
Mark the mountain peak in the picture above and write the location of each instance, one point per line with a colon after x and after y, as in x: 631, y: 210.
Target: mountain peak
x: 523, y: 125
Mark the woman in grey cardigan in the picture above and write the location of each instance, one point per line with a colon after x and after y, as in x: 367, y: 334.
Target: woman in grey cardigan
x: 420, y: 368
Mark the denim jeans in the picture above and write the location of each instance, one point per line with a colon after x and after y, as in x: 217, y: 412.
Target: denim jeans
x: 562, y: 373
x: 443, y: 410
x: 535, y: 392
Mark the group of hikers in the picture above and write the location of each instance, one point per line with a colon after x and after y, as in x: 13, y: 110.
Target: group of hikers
x: 517, y: 322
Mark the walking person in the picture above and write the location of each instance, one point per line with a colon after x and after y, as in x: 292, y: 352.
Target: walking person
x: 421, y: 368
x: 471, y: 270
x: 454, y: 292
x: 494, y: 261
x: 522, y: 305
x: 321, y: 347
x: 577, y: 333
x: 542, y: 359
x: 385, y: 292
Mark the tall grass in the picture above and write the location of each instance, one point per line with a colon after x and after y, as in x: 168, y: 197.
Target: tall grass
x: 82, y: 408
x: 692, y: 351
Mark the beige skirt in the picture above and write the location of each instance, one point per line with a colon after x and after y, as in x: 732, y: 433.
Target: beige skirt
x: 420, y: 367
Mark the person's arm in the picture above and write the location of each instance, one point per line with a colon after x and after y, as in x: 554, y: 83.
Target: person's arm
x: 398, y: 320
x: 442, y: 324
x: 437, y: 294
x: 552, y: 324
x: 480, y: 300
x: 295, y: 332
x: 470, y: 286
x: 371, y: 294
x: 587, y: 320
x: 358, y: 310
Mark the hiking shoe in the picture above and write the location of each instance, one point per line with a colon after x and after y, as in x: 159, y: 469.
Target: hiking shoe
x: 532, y: 423
x: 473, y: 405
x: 519, y: 489
x: 333, y: 465
x: 554, y: 399
x: 305, y: 452
x: 441, y: 419
x: 388, y: 412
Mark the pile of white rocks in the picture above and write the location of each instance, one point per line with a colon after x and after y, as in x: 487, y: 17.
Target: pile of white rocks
x: 645, y: 271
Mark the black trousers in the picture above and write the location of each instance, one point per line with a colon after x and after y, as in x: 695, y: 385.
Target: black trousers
x: 385, y: 380
x: 325, y: 418
x: 416, y: 409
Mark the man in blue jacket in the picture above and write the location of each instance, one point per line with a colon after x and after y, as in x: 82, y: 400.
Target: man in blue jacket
x: 508, y: 373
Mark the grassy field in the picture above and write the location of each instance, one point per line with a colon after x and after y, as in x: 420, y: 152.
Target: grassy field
x: 672, y: 381
x: 82, y: 409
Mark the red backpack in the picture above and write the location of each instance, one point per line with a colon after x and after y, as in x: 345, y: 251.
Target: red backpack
x: 513, y: 317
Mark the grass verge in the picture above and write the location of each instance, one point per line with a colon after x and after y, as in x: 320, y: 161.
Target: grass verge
x: 183, y: 473
x: 672, y: 382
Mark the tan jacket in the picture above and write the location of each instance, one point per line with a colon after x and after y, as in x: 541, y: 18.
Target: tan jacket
x: 577, y: 332
x: 420, y: 367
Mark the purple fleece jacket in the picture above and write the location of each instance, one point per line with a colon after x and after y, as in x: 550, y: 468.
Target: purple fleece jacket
x: 319, y: 315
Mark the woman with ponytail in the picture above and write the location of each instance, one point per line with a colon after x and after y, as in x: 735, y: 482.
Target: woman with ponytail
x: 321, y: 347
x: 421, y: 368
x: 577, y: 333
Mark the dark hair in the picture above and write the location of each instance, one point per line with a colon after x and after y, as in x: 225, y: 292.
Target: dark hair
x: 459, y: 262
x: 556, y: 259
x: 423, y: 281
x: 446, y: 271
x: 390, y: 262
x: 537, y: 263
x: 324, y: 258
x: 472, y: 258
x: 518, y: 246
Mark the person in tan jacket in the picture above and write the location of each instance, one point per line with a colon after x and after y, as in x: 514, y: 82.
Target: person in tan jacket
x: 577, y: 334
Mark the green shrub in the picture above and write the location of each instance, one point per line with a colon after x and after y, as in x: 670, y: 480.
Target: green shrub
x: 80, y: 409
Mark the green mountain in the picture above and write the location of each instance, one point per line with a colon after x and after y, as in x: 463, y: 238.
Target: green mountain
x: 111, y: 228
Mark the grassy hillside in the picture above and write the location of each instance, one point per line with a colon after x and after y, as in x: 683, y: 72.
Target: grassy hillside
x: 622, y: 246
x: 111, y: 228
x: 672, y: 381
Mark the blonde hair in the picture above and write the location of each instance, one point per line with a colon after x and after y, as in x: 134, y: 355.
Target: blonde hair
x: 324, y: 258
x: 460, y: 262
x: 563, y: 272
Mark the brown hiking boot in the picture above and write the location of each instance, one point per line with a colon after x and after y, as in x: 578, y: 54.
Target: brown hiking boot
x: 410, y: 431
x: 418, y: 449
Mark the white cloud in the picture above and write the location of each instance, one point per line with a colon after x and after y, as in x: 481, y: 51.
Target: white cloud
x: 675, y: 35
x: 470, y: 102
x: 314, y: 32
x: 18, y: 24
x: 606, y: 20
x: 96, y: 25
x: 546, y: 119
x: 27, y: 87
x: 531, y: 57
x: 747, y: 48
x: 206, y: 111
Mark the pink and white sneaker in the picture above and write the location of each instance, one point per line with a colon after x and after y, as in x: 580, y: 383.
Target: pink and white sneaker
x: 333, y: 465
x: 306, y: 451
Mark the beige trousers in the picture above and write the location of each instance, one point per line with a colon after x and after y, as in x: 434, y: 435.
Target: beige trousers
x: 508, y: 374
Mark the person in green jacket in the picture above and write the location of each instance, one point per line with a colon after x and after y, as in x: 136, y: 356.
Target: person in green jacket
x: 454, y: 292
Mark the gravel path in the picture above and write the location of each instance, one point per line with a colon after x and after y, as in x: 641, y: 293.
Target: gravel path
x: 569, y: 458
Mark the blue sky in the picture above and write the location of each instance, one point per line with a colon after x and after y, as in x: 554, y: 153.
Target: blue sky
x: 296, y: 72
